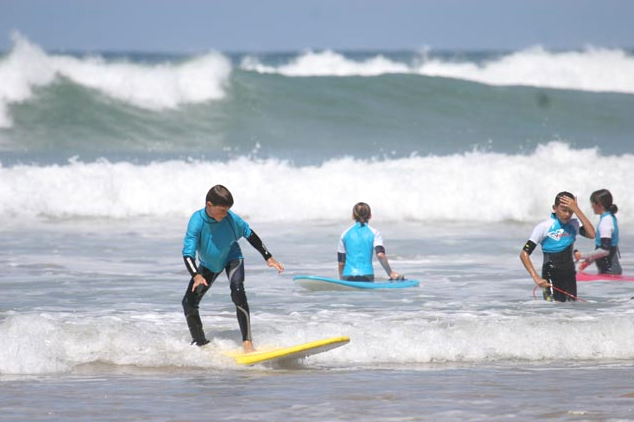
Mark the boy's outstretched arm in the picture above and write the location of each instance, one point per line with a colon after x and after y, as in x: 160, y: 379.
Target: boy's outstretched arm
x: 256, y: 242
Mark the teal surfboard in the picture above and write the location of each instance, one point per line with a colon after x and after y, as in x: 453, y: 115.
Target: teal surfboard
x: 314, y: 282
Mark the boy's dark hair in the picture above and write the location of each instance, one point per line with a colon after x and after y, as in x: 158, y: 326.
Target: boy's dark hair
x: 220, y: 196
x: 361, y: 212
x: 561, y: 195
x: 603, y: 197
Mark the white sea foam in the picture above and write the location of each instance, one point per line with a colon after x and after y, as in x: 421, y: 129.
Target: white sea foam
x: 592, y: 69
x: 60, y: 341
x: 328, y: 63
x: 150, y: 86
x: 476, y: 186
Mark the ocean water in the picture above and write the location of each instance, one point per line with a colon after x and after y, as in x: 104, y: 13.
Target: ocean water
x: 103, y: 158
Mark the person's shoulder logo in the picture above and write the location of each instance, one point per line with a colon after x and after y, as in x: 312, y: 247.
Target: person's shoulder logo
x: 558, y: 234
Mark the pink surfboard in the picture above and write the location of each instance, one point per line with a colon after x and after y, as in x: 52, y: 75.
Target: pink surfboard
x: 581, y: 276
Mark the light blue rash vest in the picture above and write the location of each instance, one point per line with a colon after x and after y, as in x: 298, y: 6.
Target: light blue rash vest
x: 607, y: 228
x: 553, y: 235
x: 215, y: 242
x: 358, y: 243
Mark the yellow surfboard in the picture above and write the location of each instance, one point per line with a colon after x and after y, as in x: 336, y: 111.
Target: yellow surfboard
x: 289, y: 353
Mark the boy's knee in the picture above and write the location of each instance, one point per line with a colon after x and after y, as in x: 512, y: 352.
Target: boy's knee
x: 189, y: 307
x: 238, y: 295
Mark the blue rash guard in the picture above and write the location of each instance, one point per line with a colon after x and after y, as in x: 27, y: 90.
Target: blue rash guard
x: 555, y: 236
x: 607, y: 229
x: 607, y: 245
x: 357, y: 245
x: 215, y: 242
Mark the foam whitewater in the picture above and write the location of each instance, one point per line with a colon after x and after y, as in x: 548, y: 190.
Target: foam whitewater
x: 416, y: 339
x: 133, y: 136
x: 475, y: 186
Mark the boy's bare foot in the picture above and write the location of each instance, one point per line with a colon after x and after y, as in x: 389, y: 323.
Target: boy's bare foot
x: 248, y: 346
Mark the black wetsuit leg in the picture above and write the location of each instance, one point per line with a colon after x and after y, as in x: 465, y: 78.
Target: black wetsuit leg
x: 191, y: 302
x: 559, y: 270
x: 359, y: 278
x: 610, y: 264
x: 235, y: 273
x: 564, y: 281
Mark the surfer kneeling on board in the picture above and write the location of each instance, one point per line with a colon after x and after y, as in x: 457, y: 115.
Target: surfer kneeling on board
x: 557, y: 236
x: 606, y: 252
x: 212, y: 235
x: 356, y: 247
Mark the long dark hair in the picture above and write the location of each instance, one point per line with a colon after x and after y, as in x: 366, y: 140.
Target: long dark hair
x: 603, y: 197
x: 361, y: 212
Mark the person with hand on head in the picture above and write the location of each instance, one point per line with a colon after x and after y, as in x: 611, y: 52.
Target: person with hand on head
x: 212, y: 236
x: 606, y: 252
x: 556, y: 236
x: 357, y: 245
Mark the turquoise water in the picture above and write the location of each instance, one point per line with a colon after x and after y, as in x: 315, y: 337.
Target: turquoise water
x: 310, y: 107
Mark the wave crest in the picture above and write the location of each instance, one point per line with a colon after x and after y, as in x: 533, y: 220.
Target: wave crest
x: 150, y: 86
x: 592, y: 69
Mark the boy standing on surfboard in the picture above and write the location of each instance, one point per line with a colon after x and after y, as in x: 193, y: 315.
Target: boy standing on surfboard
x: 557, y: 236
x: 212, y: 234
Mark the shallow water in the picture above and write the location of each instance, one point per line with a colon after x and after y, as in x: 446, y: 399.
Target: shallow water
x: 91, y: 324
